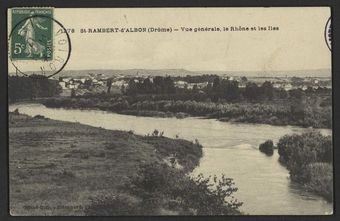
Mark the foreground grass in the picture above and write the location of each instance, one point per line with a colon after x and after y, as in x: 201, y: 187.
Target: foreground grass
x: 57, y: 167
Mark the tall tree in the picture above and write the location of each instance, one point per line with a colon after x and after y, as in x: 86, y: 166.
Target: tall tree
x: 109, y: 85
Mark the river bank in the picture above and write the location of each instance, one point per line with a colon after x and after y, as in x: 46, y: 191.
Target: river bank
x: 57, y: 167
x: 229, y: 148
x: 309, y: 159
x: 280, y: 113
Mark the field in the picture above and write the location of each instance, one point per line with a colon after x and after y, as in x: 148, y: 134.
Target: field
x: 57, y: 167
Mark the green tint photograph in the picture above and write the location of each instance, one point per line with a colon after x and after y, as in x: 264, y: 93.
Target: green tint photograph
x: 31, y: 34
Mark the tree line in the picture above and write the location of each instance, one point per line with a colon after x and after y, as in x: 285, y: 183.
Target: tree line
x: 158, y: 85
x: 29, y: 88
x: 217, y: 89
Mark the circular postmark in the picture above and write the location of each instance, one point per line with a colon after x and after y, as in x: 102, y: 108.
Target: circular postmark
x: 328, y: 34
x: 39, y: 45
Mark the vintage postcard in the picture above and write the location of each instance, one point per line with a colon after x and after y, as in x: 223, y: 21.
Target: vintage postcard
x: 170, y: 111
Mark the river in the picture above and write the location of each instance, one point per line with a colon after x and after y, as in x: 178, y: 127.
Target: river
x: 229, y: 148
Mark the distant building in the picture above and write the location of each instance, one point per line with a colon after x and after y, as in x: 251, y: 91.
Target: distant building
x: 180, y: 84
x: 67, y: 79
x: 288, y: 87
x: 118, y: 83
x: 202, y: 85
x: 276, y: 85
x: 76, y: 85
x: 62, y: 85
x: 80, y: 80
x: 242, y: 85
x: 190, y: 86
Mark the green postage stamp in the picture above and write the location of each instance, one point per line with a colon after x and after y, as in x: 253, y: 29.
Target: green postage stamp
x: 32, y: 34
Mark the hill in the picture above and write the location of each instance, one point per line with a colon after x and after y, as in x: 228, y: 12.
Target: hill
x: 182, y: 72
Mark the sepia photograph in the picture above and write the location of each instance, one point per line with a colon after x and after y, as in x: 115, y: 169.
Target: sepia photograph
x: 170, y: 111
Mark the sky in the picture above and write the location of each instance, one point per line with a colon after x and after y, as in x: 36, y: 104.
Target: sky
x: 299, y: 44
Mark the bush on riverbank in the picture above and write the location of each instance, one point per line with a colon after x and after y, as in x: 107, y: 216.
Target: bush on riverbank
x: 267, y: 147
x: 308, y: 157
x: 320, y: 179
x: 188, y: 153
x: 158, y: 189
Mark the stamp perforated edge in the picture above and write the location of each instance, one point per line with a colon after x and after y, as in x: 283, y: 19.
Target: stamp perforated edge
x: 10, y: 29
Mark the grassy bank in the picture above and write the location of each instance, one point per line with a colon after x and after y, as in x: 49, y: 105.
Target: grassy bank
x: 62, y: 168
x: 273, y: 113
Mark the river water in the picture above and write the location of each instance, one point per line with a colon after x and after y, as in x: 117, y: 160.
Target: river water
x: 229, y: 148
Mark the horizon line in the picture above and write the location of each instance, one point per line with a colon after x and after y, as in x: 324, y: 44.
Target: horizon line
x: 155, y: 69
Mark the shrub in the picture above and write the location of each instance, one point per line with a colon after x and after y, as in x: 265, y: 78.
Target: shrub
x: 308, y: 157
x: 155, y: 133
x: 300, y: 150
x: 320, y: 179
x: 39, y: 116
x: 158, y: 189
x: 267, y: 147
x: 187, y: 153
x: 158, y: 184
x: 131, y: 132
x: 16, y: 111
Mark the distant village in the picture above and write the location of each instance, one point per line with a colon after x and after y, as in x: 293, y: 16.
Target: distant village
x: 96, y: 83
